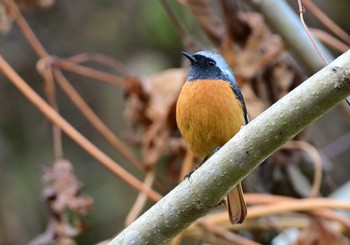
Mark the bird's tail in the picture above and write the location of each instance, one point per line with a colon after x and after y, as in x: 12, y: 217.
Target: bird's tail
x: 237, y: 209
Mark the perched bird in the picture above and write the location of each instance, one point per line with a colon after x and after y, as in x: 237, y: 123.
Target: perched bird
x: 210, y: 111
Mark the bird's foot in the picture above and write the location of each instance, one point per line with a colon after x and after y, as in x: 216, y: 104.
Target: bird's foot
x: 217, y: 149
x: 222, y: 202
x: 187, y: 176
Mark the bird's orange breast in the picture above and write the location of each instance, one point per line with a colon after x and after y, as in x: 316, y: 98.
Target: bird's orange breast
x: 208, y: 114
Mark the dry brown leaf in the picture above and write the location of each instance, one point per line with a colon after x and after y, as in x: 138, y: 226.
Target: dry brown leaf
x: 163, y: 89
x: 150, y: 106
x: 136, y: 103
x: 62, y: 189
x: 261, y: 49
x: 65, y: 204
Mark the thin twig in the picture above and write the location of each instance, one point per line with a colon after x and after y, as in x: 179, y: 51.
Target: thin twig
x: 268, y: 201
x: 49, y: 86
x: 301, y: 12
x: 43, y: 68
x: 334, y: 216
x: 328, y: 22
x: 284, y: 220
x: 301, y: 15
x: 51, y: 114
x: 26, y: 30
x: 302, y: 205
x: 331, y: 41
x: 95, y: 121
x: 253, y: 199
x: 88, y: 72
x: 100, y: 58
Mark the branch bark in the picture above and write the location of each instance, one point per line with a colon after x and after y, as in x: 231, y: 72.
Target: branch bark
x: 209, y: 184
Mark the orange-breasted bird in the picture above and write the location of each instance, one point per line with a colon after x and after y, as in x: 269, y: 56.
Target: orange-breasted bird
x: 210, y: 111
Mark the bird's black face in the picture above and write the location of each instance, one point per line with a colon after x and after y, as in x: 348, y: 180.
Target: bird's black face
x: 203, y: 67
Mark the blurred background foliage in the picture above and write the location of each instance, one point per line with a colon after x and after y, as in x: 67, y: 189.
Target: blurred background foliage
x: 141, y: 36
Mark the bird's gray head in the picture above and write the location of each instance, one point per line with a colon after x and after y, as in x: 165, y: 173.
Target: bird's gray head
x: 209, y: 65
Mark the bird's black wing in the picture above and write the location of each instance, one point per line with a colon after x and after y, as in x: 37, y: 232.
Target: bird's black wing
x: 239, y: 96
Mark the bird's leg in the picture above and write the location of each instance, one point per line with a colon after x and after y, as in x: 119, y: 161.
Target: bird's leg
x: 187, y: 176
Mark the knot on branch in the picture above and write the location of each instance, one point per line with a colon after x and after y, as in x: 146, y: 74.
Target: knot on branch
x: 343, y: 77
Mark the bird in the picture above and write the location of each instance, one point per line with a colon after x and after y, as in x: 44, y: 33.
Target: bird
x: 210, y: 110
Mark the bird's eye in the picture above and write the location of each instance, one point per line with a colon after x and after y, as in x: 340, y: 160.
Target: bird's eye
x: 211, y: 63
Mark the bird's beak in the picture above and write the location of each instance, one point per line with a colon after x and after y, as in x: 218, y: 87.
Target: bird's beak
x: 190, y: 57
